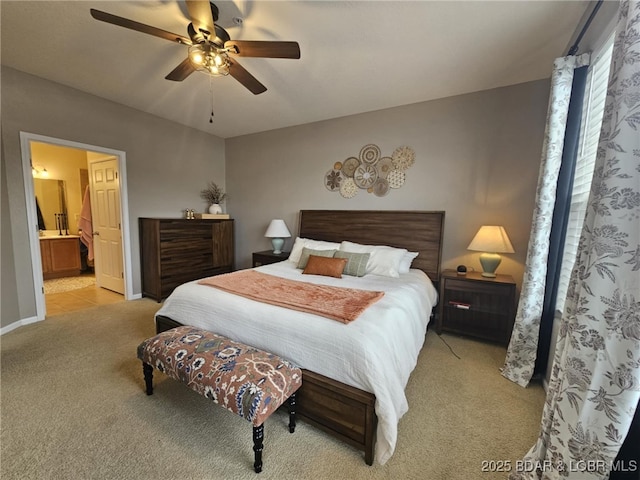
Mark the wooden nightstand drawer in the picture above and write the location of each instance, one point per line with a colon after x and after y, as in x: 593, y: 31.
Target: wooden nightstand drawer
x: 477, y: 306
x: 478, y: 287
x: 477, y: 324
x: 477, y: 297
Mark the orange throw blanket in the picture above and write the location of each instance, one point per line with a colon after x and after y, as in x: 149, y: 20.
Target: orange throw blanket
x: 341, y: 304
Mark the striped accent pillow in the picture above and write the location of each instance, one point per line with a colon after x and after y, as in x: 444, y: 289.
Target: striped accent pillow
x: 306, y: 252
x: 356, y: 262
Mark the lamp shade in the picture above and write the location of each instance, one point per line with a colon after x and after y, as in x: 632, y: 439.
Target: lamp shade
x: 277, y: 229
x: 277, y: 232
x: 491, y: 240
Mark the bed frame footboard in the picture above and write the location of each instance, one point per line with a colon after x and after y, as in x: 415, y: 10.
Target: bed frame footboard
x: 342, y: 411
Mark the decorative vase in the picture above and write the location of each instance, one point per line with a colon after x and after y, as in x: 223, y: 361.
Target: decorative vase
x: 215, y: 208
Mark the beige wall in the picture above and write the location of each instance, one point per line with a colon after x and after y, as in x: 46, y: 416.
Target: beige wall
x: 477, y: 158
x: 8, y: 289
x: 166, y: 165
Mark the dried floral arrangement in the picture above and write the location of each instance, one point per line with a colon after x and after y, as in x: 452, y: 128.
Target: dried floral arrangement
x: 213, y: 194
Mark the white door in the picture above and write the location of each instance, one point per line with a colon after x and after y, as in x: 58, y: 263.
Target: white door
x: 104, y: 185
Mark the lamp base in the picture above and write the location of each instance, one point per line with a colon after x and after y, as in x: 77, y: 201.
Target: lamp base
x: 489, y: 262
x: 277, y: 244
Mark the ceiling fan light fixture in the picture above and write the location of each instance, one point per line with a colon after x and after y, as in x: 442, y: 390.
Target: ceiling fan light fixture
x: 207, y: 59
x: 196, y: 56
x: 211, y: 49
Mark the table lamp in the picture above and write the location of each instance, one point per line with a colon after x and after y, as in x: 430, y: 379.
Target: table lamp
x: 277, y: 232
x: 491, y: 240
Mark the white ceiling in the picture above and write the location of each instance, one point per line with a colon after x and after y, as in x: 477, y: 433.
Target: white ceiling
x: 356, y: 56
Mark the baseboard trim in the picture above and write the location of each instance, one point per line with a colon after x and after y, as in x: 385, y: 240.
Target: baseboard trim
x: 19, y: 323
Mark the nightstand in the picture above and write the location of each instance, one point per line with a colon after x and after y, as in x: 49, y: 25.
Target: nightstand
x: 477, y: 306
x: 267, y: 256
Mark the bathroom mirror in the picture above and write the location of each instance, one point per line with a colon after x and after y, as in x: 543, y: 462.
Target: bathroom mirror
x: 51, y: 200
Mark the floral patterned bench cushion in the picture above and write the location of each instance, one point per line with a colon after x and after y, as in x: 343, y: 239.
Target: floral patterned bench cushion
x: 243, y: 379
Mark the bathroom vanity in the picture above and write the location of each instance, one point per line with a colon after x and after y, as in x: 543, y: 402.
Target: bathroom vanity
x: 60, y: 256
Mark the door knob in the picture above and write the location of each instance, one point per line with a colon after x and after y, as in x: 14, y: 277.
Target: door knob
x: 96, y: 233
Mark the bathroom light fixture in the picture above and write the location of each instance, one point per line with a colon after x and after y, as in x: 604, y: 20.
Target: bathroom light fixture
x: 38, y: 171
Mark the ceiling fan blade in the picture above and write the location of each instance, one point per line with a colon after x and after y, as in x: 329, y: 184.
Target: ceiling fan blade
x: 201, y: 17
x: 182, y: 71
x: 265, y: 49
x: 139, y: 27
x: 238, y: 72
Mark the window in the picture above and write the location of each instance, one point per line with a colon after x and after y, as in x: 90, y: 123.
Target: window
x: 591, y: 123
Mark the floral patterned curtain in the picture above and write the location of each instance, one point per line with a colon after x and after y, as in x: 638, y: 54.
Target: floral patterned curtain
x: 595, y: 380
x: 521, y: 354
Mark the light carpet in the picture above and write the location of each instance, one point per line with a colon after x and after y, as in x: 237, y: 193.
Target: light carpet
x: 74, y: 407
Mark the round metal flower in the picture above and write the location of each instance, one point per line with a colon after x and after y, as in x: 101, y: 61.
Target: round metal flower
x: 365, y: 176
x: 396, y: 178
x: 384, y: 166
x: 349, y: 166
x: 403, y: 158
x: 381, y: 187
x: 333, y: 180
x: 348, y: 189
x: 370, y: 154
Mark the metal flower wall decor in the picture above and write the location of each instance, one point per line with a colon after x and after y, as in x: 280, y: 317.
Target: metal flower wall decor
x: 370, y: 171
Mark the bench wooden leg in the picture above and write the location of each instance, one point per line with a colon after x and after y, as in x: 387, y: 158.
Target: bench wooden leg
x: 292, y: 412
x: 258, y: 436
x: 148, y: 377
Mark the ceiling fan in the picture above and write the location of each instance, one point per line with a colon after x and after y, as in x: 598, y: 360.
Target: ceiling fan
x: 211, y: 49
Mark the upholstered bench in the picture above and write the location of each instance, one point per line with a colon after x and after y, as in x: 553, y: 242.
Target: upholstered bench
x: 245, y: 380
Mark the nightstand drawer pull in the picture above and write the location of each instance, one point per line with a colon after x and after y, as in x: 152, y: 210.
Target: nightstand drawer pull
x: 460, y: 305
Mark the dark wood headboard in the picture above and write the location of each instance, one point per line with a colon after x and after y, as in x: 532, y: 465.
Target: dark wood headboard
x: 417, y: 231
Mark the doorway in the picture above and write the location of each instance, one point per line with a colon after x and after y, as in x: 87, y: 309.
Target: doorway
x: 34, y: 165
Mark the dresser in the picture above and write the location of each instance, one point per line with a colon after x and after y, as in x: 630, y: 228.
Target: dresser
x: 174, y: 251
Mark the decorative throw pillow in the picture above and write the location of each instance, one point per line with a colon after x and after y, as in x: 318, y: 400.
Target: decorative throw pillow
x: 384, y: 260
x: 327, y: 266
x: 300, y: 243
x: 356, y: 262
x: 304, y: 256
x: 405, y: 263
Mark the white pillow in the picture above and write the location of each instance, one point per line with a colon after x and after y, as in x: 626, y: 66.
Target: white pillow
x: 383, y: 260
x: 300, y: 243
x: 405, y: 263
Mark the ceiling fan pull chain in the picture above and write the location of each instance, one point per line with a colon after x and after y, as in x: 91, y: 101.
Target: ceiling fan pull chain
x: 211, y: 92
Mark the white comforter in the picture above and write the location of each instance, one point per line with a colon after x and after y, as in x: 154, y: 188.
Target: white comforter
x: 377, y: 352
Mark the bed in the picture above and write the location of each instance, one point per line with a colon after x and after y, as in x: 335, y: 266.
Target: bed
x: 353, y: 376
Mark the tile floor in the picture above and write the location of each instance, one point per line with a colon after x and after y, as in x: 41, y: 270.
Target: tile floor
x: 79, y: 299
